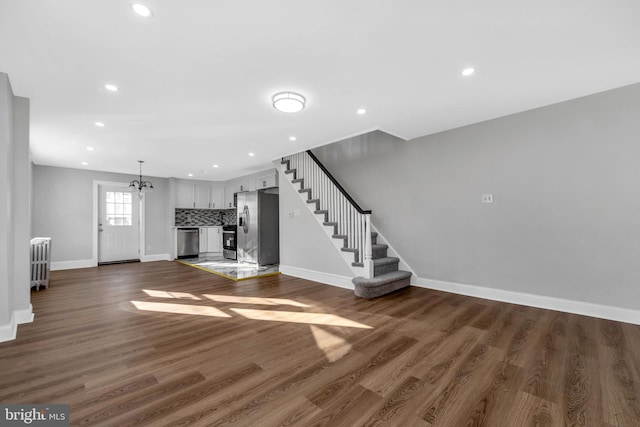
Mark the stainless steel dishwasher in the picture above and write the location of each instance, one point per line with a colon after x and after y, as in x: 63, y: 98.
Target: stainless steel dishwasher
x: 188, y: 242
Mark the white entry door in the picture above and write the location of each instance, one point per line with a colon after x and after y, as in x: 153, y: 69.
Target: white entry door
x: 118, y: 224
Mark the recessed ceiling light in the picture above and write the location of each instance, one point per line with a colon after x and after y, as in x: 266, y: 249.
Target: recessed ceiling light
x: 292, y: 138
x: 141, y: 10
x: 84, y: 163
x: 468, y: 71
x: 361, y: 111
x: 190, y: 174
x: 215, y: 166
x: 251, y: 154
x: 99, y: 124
x: 111, y: 88
x: 89, y: 148
x: 288, y: 102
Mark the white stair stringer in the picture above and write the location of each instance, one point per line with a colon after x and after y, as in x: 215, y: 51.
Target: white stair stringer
x: 337, y: 243
x: 402, y: 265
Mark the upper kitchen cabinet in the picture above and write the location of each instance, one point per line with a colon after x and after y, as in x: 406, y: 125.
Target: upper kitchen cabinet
x: 193, y: 194
x: 246, y: 185
x: 203, y: 196
x: 199, y: 195
x: 268, y: 180
x: 209, y: 196
x: 229, y: 191
x: 217, y: 197
x: 185, y: 195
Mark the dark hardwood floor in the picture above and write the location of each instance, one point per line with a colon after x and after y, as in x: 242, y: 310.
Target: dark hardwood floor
x: 162, y: 343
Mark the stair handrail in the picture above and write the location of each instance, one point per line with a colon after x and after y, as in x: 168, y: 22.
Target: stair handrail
x: 337, y: 184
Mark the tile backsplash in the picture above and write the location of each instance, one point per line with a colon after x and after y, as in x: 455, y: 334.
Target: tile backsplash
x: 205, y: 217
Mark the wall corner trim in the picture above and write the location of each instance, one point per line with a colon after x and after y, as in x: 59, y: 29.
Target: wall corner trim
x: 540, y: 301
x: 317, y: 276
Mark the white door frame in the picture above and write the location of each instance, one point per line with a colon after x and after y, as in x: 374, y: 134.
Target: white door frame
x: 96, y: 196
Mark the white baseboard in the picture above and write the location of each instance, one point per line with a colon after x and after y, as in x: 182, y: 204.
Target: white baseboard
x: 8, y: 331
x: 317, y: 276
x: 24, y: 316
x: 540, y: 301
x: 68, y: 265
x: 156, y: 257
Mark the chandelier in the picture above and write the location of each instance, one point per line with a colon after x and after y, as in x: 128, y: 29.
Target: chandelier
x: 139, y: 184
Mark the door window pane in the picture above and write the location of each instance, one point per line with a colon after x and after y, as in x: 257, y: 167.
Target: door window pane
x: 119, y: 207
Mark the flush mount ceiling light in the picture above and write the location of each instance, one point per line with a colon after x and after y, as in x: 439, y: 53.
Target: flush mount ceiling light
x: 215, y: 166
x: 361, y: 111
x: 99, y: 124
x: 141, y: 10
x: 468, y: 71
x: 111, y: 88
x: 292, y: 138
x: 288, y: 102
x: 140, y: 184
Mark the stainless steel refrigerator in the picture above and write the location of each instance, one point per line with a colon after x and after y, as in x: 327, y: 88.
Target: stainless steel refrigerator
x: 258, y: 233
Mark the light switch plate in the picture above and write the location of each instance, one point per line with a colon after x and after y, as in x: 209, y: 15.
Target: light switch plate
x: 487, y: 198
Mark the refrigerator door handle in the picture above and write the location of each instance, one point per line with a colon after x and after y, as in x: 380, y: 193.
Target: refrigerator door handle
x: 245, y: 215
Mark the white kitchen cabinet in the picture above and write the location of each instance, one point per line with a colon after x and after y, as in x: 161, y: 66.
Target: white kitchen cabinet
x: 204, y: 239
x: 267, y: 181
x: 217, y: 197
x: 185, y: 195
x: 203, y: 196
x: 229, y: 191
x: 210, y: 239
x: 214, y: 239
x: 246, y: 185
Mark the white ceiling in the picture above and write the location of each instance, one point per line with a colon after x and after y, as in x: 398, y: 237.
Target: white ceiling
x: 195, y: 81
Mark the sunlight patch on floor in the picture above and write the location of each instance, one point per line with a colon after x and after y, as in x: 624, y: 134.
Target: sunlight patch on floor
x: 254, y: 300
x: 165, y: 294
x: 333, y: 346
x: 164, y: 307
x: 298, y: 317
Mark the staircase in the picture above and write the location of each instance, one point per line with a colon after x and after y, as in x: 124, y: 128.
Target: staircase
x: 347, y: 225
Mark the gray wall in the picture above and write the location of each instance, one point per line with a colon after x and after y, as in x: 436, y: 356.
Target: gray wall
x: 303, y: 243
x: 14, y: 210
x: 566, y: 183
x: 63, y: 210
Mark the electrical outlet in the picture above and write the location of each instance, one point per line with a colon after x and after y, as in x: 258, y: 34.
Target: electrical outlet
x: 487, y: 198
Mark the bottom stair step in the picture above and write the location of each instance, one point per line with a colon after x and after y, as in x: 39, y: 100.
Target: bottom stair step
x: 381, y: 285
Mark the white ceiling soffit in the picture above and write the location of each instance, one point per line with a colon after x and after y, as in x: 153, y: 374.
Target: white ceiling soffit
x: 195, y: 80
